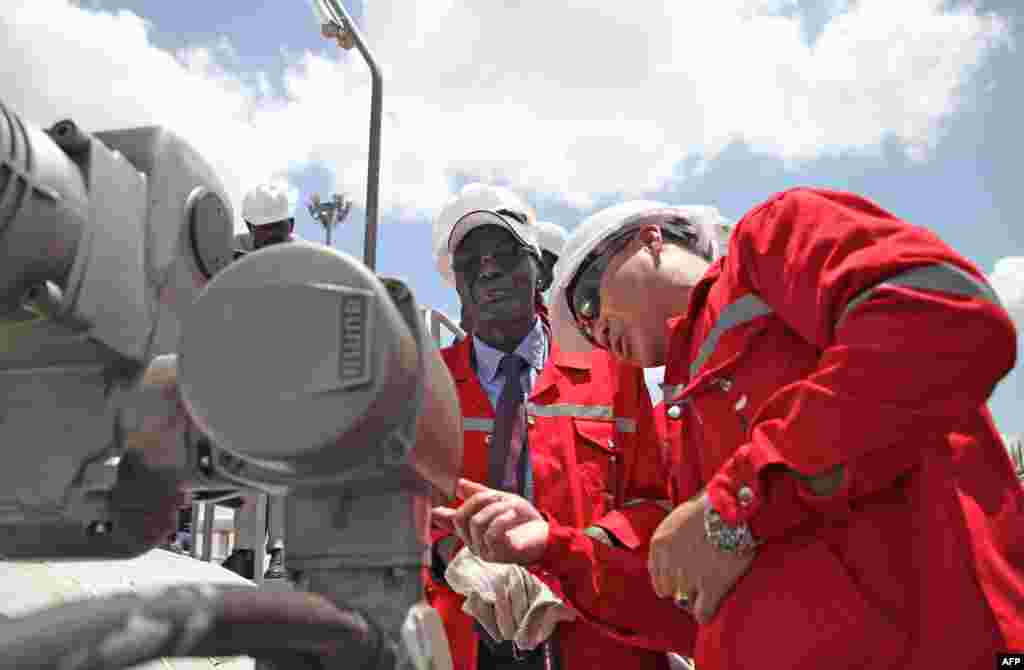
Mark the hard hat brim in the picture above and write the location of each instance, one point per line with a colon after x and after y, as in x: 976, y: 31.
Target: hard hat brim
x: 603, y: 225
x: 480, y: 218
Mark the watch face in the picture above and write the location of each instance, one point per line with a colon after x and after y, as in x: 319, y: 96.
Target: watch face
x: 727, y: 538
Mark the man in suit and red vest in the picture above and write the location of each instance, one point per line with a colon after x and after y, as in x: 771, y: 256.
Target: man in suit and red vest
x: 542, y: 426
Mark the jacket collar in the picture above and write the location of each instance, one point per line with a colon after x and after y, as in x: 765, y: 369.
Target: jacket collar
x: 533, y: 349
x: 681, y: 328
x: 461, y: 366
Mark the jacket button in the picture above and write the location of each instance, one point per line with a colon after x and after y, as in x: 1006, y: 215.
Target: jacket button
x: 674, y: 412
x: 530, y: 421
x: 611, y: 444
x: 745, y: 496
x: 488, y: 438
x: 724, y: 384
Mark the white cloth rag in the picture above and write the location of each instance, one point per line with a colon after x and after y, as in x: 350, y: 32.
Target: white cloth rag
x: 527, y: 610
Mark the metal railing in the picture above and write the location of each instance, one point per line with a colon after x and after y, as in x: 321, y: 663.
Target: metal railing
x: 436, y: 320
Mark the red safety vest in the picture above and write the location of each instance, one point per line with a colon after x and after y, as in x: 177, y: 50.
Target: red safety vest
x: 586, y: 471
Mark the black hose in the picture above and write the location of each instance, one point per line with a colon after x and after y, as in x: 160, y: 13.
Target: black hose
x: 289, y: 629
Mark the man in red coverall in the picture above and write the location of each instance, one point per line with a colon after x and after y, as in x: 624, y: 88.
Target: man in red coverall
x: 846, y: 501
x: 581, y: 460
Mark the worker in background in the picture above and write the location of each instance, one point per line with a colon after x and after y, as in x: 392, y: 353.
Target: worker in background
x: 631, y: 398
x: 268, y: 218
x: 544, y: 430
x: 845, y: 499
x: 267, y: 214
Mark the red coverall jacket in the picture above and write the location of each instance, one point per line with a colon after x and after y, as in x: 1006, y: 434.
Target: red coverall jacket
x: 670, y: 454
x: 595, y: 462
x: 661, y: 421
x: 833, y: 333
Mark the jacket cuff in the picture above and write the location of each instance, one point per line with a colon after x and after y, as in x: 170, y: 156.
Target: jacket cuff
x: 736, y: 491
x: 565, y: 547
x: 634, y: 526
x: 774, y: 502
x: 769, y: 503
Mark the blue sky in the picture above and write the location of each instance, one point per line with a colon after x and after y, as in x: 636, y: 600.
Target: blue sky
x: 918, y: 107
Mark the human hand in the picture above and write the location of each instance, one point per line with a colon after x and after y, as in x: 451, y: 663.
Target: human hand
x: 684, y: 565
x: 497, y: 526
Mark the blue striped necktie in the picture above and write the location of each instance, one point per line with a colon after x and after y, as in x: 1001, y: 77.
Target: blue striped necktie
x: 509, y: 440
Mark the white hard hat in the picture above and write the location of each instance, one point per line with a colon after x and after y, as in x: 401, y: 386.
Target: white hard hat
x: 551, y: 237
x: 267, y: 203
x: 471, y: 198
x: 605, y: 224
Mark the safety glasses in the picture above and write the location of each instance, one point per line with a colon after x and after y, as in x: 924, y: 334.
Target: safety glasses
x: 584, y: 291
x: 506, y: 256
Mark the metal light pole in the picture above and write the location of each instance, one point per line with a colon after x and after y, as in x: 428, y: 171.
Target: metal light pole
x: 329, y: 213
x: 336, y: 24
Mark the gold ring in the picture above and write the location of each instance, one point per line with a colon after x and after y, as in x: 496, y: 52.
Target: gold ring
x: 682, y: 600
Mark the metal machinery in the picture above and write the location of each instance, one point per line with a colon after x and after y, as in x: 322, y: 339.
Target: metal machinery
x: 133, y: 370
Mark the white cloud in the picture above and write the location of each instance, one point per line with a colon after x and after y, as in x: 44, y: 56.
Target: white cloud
x: 1007, y: 279
x: 100, y: 69
x: 575, y: 99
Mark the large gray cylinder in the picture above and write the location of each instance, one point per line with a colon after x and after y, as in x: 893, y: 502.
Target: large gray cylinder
x: 296, y: 361
x: 43, y: 205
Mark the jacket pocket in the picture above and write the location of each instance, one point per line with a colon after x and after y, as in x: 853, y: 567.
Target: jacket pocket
x: 597, y: 461
x: 796, y: 608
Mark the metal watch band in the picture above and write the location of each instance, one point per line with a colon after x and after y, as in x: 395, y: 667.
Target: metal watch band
x: 730, y: 539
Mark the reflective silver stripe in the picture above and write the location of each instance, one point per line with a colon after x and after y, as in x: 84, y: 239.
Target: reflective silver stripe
x: 473, y: 423
x: 575, y: 411
x: 941, y: 278
x: 663, y: 504
x: 746, y: 309
x: 623, y: 425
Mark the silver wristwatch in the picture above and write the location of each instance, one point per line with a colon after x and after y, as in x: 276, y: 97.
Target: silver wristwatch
x: 730, y: 539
